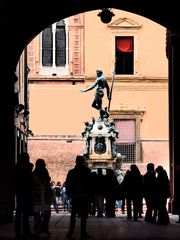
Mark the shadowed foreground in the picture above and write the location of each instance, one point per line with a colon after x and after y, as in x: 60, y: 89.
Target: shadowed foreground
x: 105, y: 228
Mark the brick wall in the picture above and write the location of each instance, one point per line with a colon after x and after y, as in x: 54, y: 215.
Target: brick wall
x: 60, y: 154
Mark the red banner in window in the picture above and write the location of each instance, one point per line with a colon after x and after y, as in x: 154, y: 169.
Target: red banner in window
x: 124, y: 44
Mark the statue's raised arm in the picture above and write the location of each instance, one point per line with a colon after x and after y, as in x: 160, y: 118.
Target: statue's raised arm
x: 90, y: 88
x: 100, y: 84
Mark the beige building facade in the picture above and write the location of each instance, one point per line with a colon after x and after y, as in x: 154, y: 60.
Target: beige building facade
x: 131, y: 50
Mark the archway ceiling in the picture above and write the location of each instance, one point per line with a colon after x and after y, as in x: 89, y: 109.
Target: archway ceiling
x: 22, y: 20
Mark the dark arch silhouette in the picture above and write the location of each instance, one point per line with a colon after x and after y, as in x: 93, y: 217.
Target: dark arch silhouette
x: 21, y: 21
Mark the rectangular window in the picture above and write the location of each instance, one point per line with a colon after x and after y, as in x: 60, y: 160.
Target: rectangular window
x: 47, y: 47
x: 60, y: 46
x: 124, y: 55
x: 126, y: 142
x: 54, y: 46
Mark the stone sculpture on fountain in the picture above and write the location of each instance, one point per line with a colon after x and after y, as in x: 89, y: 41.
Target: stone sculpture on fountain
x: 100, y: 135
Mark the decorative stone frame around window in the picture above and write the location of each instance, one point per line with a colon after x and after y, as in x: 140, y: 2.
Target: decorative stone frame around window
x: 136, y: 115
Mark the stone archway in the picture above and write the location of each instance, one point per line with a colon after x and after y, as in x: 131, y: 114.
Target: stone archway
x: 21, y: 23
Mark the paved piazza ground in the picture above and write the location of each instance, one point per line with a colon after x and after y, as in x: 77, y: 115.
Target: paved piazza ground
x: 105, y: 228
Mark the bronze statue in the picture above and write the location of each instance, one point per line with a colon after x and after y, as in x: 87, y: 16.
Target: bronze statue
x: 100, y: 84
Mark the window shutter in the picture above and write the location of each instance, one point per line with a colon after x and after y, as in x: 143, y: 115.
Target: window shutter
x: 47, y: 47
x: 126, y: 142
x: 126, y: 129
x: 60, y: 44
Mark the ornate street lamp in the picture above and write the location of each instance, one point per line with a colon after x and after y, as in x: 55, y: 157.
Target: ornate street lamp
x: 106, y: 15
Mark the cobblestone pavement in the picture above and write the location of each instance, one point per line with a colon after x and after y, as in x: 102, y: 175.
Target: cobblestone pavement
x: 105, y: 228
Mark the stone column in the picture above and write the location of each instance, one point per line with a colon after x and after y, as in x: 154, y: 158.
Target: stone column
x: 173, y: 53
x: 7, y: 79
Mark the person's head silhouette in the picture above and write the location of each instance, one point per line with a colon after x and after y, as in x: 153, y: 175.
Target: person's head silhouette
x: 40, y: 163
x: 80, y: 159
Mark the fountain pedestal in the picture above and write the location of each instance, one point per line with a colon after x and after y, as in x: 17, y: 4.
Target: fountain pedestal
x: 100, y: 138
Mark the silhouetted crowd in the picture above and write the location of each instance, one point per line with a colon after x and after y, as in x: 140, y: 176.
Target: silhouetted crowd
x: 153, y: 187
x: 33, y: 198
x: 85, y: 193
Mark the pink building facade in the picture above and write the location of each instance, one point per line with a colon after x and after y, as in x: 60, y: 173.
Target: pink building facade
x: 131, y: 49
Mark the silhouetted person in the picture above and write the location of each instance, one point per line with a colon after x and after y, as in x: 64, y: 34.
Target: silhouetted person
x: 78, y: 190
x: 163, y: 193
x: 23, y: 192
x: 99, y: 190
x: 42, y: 198
x: 64, y: 197
x: 100, y: 84
x: 110, y: 194
x: 133, y: 190
x: 177, y: 193
x: 150, y: 192
x: 55, y: 199
x: 92, y: 203
x: 120, y: 202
